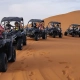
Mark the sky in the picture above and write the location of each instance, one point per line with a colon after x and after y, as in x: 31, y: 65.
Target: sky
x: 36, y: 9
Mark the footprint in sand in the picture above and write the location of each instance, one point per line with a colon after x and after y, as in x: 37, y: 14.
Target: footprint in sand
x: 50, y: 60
x: 27, y: 52
x: 22, y: 62
x: 31, y: 73
x: 70, y: 69
x: 63, y: 62
x: 65, y: 72
x: 30, y: 54
x: 26, y: 66
x: 70, y: 78
x: 27, y: 55
x: 67, y: 67
x: 24, y: 58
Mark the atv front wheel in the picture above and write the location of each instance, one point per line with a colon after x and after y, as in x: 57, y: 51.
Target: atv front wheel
x: 3, y: 62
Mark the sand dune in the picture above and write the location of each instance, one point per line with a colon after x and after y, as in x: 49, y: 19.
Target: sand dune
x: 65, y: 19
x: 51, y: 59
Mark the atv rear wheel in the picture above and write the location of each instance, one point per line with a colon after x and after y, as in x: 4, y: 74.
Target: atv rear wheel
x: 36, y: 37
x: 3, y: 62
x: 65, y: 33
x: 54, y: 35
x: 72, y: 34
x: 19, y: 44
x: 13, y: 55
x: 44, y: 36
x: 60, y: 35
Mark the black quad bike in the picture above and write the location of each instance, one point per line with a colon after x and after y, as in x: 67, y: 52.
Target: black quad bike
x: 19, y: 35
x: 7, y: 50
x: 73, y: 30
x: 54, y: 29
x: 34, y: 31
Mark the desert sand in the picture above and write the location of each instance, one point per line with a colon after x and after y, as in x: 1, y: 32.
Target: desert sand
x: 51, y: 59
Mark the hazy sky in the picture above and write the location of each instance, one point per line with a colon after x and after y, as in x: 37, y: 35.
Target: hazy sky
x: 29, y: 9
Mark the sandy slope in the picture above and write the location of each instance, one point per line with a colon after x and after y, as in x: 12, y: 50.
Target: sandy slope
x: 53, y: 59
x: 65, y: 19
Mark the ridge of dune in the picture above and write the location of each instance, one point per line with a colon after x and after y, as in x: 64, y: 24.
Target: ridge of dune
x: 65, y: 19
